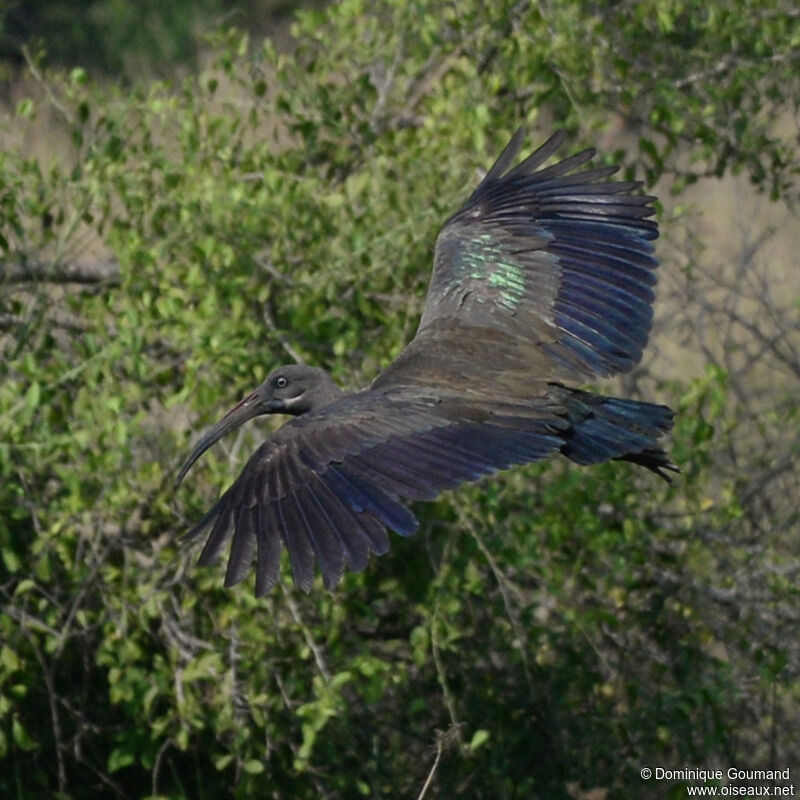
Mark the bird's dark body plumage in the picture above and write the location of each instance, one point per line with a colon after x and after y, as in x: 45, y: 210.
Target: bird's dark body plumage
x: 544, y: 276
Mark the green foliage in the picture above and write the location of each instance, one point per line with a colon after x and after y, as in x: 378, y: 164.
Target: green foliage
x: 114, y: 36
x: 563, y: 626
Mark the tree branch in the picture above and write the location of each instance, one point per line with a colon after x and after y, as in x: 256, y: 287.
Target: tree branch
x: 106, y: 271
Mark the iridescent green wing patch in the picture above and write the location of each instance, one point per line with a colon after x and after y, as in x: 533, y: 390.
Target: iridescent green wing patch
x: 569, y: 249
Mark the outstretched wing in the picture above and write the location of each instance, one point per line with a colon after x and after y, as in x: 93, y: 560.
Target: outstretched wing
x: 545, y: 274
x: 549, y: 267
x: 327, y: 485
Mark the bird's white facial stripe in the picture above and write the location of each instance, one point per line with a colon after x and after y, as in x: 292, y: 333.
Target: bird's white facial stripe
x: 291, y: 402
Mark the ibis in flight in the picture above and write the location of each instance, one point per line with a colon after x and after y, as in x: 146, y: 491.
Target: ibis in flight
x: 544, y: 279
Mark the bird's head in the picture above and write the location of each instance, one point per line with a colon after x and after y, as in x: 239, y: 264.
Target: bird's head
x: 294, y: 389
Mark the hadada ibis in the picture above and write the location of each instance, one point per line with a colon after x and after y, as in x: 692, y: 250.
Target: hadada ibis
x: 544, y: 278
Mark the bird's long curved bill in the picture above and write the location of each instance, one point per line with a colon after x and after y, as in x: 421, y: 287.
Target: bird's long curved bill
x: 237, y: 416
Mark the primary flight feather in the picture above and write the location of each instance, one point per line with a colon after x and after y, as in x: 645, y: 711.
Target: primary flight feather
x: 544, y: 277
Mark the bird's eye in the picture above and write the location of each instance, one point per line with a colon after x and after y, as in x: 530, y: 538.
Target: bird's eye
x: 280, y: 381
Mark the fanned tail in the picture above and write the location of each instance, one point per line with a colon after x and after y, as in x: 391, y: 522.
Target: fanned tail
x: 610, y: 428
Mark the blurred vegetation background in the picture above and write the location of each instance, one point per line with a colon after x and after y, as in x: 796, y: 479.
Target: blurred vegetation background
x: 182, y: 207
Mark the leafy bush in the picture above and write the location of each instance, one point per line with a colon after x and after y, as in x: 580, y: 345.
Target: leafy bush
x: 546, y: 633
x: 111, y: 36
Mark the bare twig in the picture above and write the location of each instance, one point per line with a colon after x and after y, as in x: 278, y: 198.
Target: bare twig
x: 383, y: 81
x: 282, y: 340
x: 440, y: 670
x: 46, y: 88
x: 312, y: 645
x: 104, y: 271
x: 444, y: 741
x: 433, y: 769
x: 265, y: 262
x: 725, y: 64
x: 504, y: 584
x: 157, y: 763
x: 54, y: 718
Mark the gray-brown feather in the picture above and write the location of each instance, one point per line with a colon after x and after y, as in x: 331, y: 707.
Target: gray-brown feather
x: 562, y: 261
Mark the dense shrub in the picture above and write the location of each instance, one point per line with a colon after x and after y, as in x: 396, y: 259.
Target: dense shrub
x: 546, y: 633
